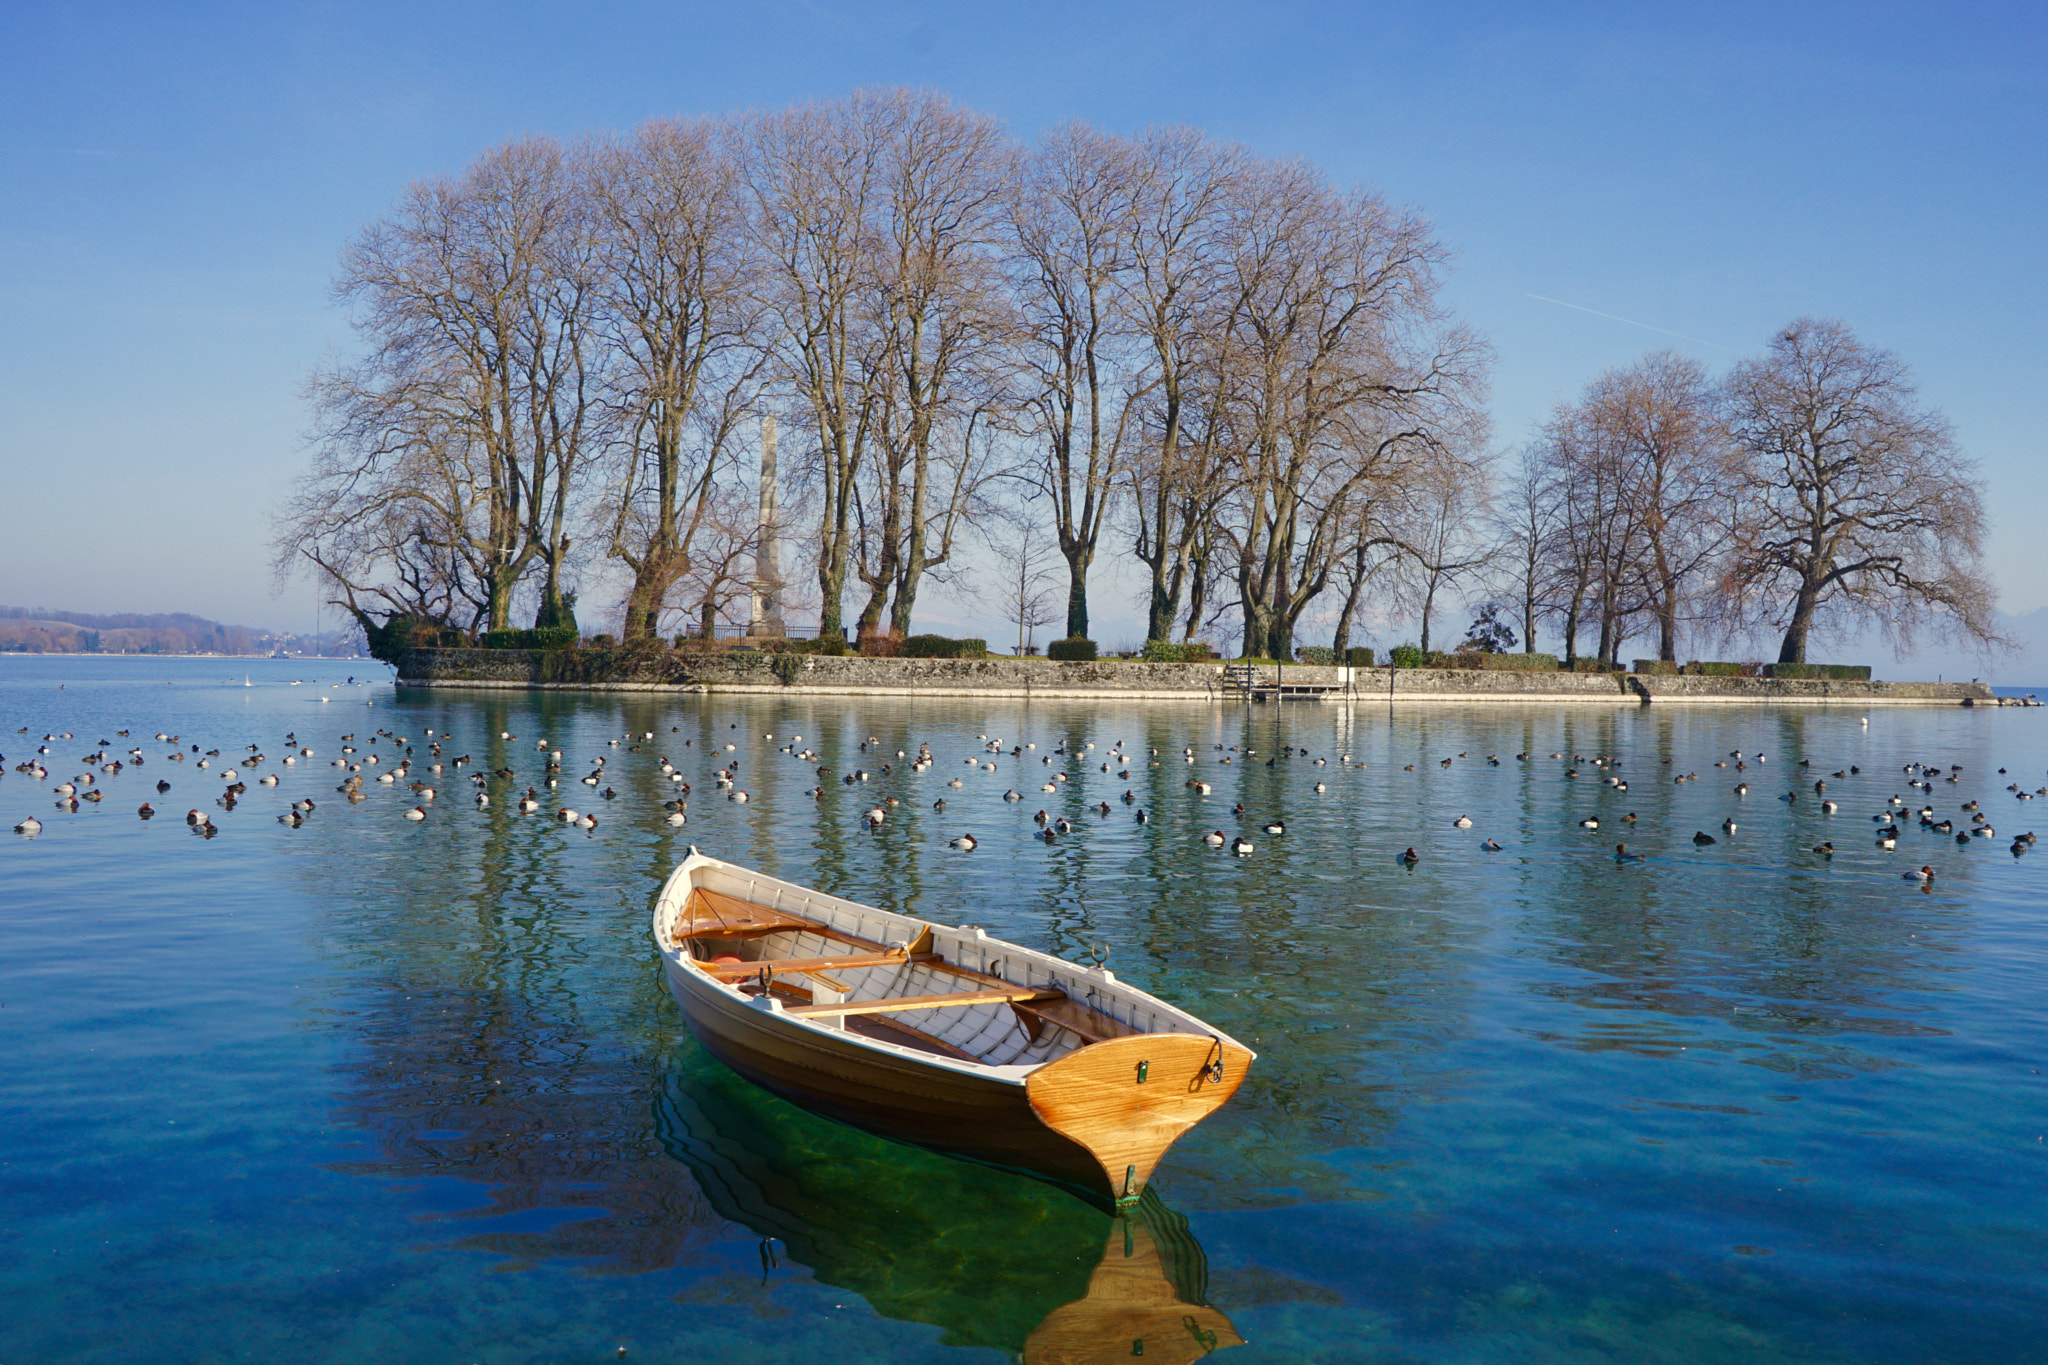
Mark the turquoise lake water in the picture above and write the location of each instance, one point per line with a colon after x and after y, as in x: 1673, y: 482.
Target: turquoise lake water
x: 380, y: 1090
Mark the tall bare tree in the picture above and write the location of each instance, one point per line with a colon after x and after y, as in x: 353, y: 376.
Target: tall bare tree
x: 1657, y: 419
x: 815, y: 176
x: 461, y: 433
x: 1523, y: 537
x: 1070, y: 230
x: 1598, y: 543
x: 934, y: 291
x: 679, y: 316
x: 1179, y: 181
x: 1344, y: 364
x: 1858, y: 504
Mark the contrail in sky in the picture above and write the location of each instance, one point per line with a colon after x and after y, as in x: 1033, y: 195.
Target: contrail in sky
x: 1631, y: 322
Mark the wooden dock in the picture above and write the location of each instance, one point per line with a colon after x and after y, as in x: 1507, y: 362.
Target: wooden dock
x: 1259, y: 682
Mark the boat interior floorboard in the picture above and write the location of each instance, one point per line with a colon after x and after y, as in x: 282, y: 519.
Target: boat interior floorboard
x: 883, y: 1029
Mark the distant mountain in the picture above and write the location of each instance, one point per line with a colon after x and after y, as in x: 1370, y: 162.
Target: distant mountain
x: 41, y: 630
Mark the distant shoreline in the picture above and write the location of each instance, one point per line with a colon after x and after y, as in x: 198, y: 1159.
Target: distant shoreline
x: 131, y: 654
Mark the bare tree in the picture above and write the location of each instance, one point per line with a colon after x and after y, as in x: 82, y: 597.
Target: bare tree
x: 1070, y: 231
x: 679, y: 317
x: 1343, y: 365
x: 1598, y: 546
x: 1442, y: 549
x: 934, y: 291
x: 1024, y: 581
x: 1657, y: 419
x: 814, y: 175
x: 1175, y: 282
x: 1858, y: 504
x: 449, y: 455
x: 1379, y: 532
x: 1523, y: 536
x: 720, y: 568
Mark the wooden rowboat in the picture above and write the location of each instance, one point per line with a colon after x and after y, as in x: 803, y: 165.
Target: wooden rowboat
x: 937, y: 1036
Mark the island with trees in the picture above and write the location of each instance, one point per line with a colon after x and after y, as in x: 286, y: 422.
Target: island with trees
x: 1235, y: 380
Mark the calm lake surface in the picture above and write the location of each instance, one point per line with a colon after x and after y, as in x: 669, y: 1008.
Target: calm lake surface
x: 372, y: 1089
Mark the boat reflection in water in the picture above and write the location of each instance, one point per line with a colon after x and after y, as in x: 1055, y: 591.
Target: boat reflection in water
x: 993, y: 1259
x: 1144, y: 1299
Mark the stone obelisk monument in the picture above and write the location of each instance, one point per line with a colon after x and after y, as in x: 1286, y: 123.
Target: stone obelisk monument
x: 766, y: 617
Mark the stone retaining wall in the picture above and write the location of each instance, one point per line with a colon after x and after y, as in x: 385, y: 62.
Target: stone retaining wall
x: 748, y: 671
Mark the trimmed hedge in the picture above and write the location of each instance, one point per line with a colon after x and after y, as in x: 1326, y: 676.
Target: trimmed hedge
x: 1481, y: 662
x: 1408, y: 656
x: 1589, y: 665
x: 1830, y: 672
x: 1171, y: 652
x: 1722, y: 670
x: 1519, y: 663
x: 940, y: 647
x: 1654, y: 666
x: 400, y: 633
x: 551, y: 637
x: 1074, y: 649
x: 597, y: 641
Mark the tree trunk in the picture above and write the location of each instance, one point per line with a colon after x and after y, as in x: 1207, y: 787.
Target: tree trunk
x: 1793, y: 651
x: 839, y: 468
x: 1197, y: 575
x: 1077, y: 590
x: 1160, y: 608
x: 643, y: 603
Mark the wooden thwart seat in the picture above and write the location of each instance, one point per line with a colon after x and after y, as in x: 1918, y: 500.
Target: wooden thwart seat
x: 713, y: 914
x: 739, y: 971
x: 1090, y: 1025
x: 892, y: 1004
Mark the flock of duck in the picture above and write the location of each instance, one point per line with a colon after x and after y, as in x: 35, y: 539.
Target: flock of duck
x: 389, y: 759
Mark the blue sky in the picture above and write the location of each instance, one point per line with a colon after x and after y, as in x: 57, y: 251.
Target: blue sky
x: 178, y: 181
